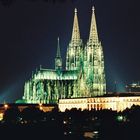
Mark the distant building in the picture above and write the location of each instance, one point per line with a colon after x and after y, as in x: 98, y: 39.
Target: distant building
x: 133, y: 87
x: 84, y: 75
x: 116, y: 103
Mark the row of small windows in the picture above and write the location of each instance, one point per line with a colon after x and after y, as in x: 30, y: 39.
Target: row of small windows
x: 70, y: 106
x: 100, y: 100
x: 132, y: 100
x: 95, y: 100
x: 47, y: 76
x: 103, y: 100
x: 72, y: 101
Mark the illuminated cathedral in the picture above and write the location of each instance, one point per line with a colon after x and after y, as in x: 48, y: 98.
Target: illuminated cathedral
x: 84, y: 75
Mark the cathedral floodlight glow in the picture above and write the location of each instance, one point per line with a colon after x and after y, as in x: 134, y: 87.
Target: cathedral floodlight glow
x: 84, y: 75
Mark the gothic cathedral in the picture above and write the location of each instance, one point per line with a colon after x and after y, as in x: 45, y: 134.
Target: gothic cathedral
x: 84, y: 75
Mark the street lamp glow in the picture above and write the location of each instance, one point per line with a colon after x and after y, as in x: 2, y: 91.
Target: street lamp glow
x: 6, y: 106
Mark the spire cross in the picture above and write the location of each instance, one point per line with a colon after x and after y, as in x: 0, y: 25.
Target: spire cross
x: 75, y: 10
x: 93, y: 9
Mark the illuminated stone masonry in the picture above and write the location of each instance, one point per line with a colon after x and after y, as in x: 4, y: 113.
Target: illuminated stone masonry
x: 83, y: 76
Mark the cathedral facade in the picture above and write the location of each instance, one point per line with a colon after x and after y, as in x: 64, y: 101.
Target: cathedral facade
x: 84, y: 75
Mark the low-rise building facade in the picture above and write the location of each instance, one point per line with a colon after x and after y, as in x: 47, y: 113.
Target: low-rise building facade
x: 116, y: 103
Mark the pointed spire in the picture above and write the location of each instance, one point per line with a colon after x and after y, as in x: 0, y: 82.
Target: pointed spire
x: 93, y: 28
x: 58, y: 59
x: 58, y: 54
x: 75, y: 31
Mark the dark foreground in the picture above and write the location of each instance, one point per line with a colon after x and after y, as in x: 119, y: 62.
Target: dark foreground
x: 33, y: 123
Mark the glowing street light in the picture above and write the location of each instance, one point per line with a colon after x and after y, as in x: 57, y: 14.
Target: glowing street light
x: 6, y: 106
x: 40, y: 106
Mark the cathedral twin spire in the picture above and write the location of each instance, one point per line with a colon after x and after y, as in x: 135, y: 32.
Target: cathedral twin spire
x: 92, y: 64
x: 75, y: 47
x: 93, y: 36
x: 75, y: 31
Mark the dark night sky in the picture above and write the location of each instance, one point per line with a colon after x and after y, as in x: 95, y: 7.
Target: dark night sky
x: 29, y: 31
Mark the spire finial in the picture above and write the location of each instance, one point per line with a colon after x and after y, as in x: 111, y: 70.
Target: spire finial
x: 75, y: 10
x: 93, y: 29
x: 58, y: 41
x: 93, y: 8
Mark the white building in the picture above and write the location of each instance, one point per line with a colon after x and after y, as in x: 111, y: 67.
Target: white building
x: 116, y: 103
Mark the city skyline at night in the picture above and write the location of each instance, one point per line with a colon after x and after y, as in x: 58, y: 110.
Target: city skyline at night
x: 28, y: 31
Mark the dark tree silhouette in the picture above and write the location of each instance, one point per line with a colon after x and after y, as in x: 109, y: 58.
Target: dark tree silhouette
x: 12, y: 114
